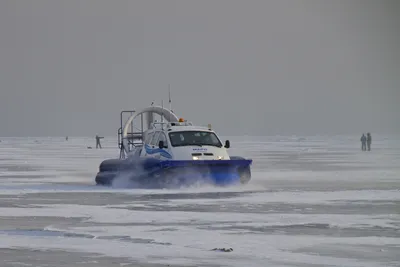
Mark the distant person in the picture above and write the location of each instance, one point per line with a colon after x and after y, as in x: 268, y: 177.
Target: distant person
x: 66, y: 138
x: 369, y: 140
x: 98, y: 141
x: 363, y: 142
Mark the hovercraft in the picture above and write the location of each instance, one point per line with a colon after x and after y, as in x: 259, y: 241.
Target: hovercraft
x: 171, y: 153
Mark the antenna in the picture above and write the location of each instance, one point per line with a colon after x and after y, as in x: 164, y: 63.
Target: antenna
x: 169, y: 96
x: 162, y: 113
x: 169, y: 100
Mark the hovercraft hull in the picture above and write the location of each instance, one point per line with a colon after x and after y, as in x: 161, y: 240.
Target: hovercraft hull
x: 155, y: 173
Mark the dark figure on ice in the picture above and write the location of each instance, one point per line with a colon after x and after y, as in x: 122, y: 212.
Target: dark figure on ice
x: 98, y: 141
x: 369, y: 139
x: 363, y: 142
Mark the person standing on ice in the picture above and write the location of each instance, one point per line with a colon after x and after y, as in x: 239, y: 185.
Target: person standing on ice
x: 369, y: 139
x: 363, y: 141
x: 98, y: 141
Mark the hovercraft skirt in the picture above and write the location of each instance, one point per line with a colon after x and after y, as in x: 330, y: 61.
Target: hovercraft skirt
x: 152, y: 172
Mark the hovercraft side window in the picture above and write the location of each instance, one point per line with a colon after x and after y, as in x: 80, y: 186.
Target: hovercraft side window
x: 194, y: 138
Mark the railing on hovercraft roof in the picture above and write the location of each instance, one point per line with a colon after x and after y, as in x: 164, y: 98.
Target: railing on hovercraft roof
x: 159, y: 125
x: 134, y: 138
x: 167, y: 125
x: 131, y: 136
x: 180, y: 123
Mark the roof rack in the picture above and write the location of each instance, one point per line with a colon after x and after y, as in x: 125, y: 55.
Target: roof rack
x: 185, y: 123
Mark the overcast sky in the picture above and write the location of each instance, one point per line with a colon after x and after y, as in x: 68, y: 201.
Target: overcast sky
x: 248, y: 67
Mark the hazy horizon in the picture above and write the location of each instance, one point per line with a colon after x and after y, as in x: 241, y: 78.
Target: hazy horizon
x: 67, y: 68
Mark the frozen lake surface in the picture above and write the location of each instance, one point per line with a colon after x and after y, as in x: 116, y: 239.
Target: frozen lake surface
x: 312, y: 201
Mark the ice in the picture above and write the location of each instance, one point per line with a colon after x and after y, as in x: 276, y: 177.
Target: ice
x: 312, y: 200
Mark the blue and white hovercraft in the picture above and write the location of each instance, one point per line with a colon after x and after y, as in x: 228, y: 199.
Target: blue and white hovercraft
x: 171, y: 153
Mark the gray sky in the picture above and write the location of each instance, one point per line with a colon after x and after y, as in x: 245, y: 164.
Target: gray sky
x: 248, y: 67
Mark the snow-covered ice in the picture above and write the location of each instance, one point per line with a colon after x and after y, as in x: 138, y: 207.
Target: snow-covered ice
x: 312, y: 201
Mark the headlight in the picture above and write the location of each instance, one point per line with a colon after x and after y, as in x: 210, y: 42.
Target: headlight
x: 195, y: 158
x: 220, y: 157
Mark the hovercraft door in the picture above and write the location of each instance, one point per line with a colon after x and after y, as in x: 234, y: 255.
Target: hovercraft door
x: 164, y: 152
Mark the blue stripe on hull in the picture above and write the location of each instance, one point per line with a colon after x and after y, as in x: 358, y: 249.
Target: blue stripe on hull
x: 163, y: 152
